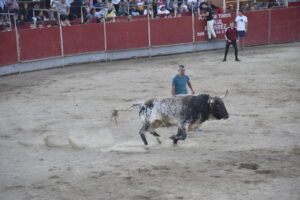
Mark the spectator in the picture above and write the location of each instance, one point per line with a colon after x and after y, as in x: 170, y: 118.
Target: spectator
x: 123, y: 8
x: 100, y: 4
x: 40, y: 17
x: 231, y: 36
x: 180, y: 81
x: 242, y: 26
x: 116, y: 5
x: 192, y: 5
x: 111, y: 15
x: 2, y: 5
x: 183, y: 8
x: 40, y: 24
x: 90, y: 15
x: 63, y: 9
x: 25, y: 13
x: 149, y: 10
x: 133, y: 9
x: 6, y: 27
x: 75, y: 8
x: 14, y: 4
x: 109, y: 5
x: 211, y: 5
x: 10, y: 10
x: 159, y: 4
x: 140, y: 6
x: 209, y: 19
x: 163, y: 10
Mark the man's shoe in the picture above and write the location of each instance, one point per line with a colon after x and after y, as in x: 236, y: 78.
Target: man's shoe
x: 224, y: 60
x: 238, y: 60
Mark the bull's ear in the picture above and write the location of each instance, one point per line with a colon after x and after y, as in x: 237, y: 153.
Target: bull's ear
x: 210, y: 100
x: 224, y: 95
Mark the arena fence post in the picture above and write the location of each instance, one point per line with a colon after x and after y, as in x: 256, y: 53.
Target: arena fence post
x: 61, y: 40
x: 105, y: 39
x: 81, y: 14
x: 17, y: 39
x: 224, y: 5
x: 269, y: 25
x: 149, y: 32
x: 237, y: 6
x: 193, y: 28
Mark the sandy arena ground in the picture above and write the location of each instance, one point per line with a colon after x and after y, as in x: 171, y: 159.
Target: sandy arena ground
x: 57, y: 141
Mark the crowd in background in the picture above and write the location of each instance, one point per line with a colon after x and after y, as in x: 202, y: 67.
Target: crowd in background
x: 91, y: 10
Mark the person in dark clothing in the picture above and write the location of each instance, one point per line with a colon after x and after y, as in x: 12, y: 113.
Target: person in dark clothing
x: 75, y: 8
x: 231, y: 36
x: 209, y: 20
x: 25, y: 13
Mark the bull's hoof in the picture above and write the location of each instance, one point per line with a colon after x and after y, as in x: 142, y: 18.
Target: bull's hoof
x: 158, y: 140
x: 174, y: 138
x: 146, y: 148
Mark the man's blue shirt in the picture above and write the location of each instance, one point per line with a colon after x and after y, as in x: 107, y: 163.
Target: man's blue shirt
x: 180, y: 84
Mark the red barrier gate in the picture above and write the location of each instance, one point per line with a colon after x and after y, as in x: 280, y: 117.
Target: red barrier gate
x: 258, y: 28
x: 171, y: 31
x: 8, y: 48
x: 266, y: 26
x: 39, y: 43
x: 125, y: 35
x: 83, y: 38
x: 285, y: 26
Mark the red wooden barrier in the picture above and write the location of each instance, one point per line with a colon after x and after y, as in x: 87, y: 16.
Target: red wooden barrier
x: 171, y: 31
x: 258, y: 28
x: 285, y: 26
x: 8, y: 48
x: 125, y: 35
x: 39, y: 43
x: 83, y: 38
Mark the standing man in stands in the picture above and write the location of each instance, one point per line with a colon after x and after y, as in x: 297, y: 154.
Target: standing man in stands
x: 231, y: 36
x: 209, y: 19
x: 180, y: 81
x: 242, y: 26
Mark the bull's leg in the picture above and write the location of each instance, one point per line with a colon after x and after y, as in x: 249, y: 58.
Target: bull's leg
x: 156, y: 135
x: 181, y: 134
x: 194, y: 127
x: 155, y: 125
x: 143, y: 130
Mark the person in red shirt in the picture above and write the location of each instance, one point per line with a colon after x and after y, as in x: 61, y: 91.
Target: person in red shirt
x: 231, y: 36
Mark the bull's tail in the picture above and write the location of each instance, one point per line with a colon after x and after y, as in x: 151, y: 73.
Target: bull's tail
x: 115, y: 112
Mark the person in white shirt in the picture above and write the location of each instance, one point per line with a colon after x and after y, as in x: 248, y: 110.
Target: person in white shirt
x: 242, y: 27
x: 116, y: 4
x: 163, y: 10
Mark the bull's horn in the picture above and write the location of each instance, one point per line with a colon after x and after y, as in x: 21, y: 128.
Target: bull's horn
x: 210, y: 100
x: 224, y: 95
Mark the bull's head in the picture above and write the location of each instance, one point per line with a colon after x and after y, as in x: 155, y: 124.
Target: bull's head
x: 218, y: 109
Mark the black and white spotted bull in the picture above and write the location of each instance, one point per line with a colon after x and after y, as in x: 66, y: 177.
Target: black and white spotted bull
x: 187, y: 112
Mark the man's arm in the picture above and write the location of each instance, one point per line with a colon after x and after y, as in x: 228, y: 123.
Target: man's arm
x: 173, y: 90
x: 246, y: 26
x: 190, y: 86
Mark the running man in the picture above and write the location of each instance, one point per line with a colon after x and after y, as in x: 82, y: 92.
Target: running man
x: 180, y: 81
